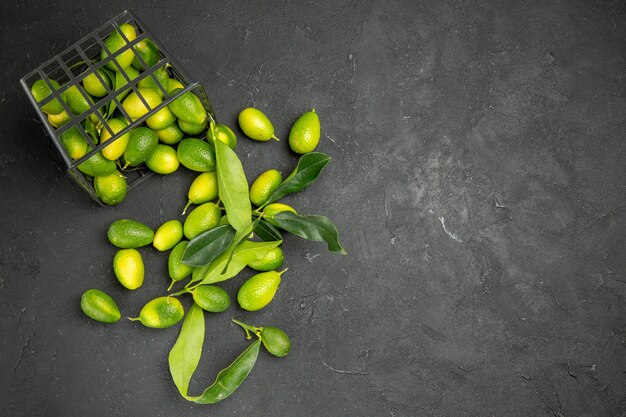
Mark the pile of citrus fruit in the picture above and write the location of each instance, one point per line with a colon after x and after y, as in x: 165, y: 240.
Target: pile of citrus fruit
x: 233, y: 225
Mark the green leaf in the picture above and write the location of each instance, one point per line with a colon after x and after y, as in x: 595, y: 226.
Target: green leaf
x: 92, y: 130
x: 207, y: 246
x: 239, y: 238
x: 267, y: 232
x: 231, y: 377
x: 316, y: 228
x: 233, y: 187
x: 309, y: 167
x: 185, y: 354
x: 242, y: 255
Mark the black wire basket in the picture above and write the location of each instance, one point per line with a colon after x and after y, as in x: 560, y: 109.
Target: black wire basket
x: 81, y: 59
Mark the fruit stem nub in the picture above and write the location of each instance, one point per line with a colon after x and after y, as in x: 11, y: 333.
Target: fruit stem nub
x: 274, y: 137
x: 186, y: 207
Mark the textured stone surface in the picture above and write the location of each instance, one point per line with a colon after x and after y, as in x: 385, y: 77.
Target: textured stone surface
x: 478, y: 181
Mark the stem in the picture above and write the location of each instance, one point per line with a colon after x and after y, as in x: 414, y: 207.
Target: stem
x: 190, y: 287
x: 248, y: 329
x: 171, y: 285
x: 126, y: 165
x: 282, y: 272
x: 186, y: 207
x: 181, y: 292
x: 133, y: 318
x: 274, y: 137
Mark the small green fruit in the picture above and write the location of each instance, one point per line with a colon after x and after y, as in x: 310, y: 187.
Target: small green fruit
x: 176, y: 269
x: 189, y: 108
x: 211, y: 298
x: 41, y: 91
x: 115, y: 42
x: 74, y: 143
x: 263, y: 187
x: 99, y: 306
x: 222, y: 133
x: 168, y: 235
x: 203, y: 189
x: 196, y: 155
x: 305, y: 133
x: 97, y: 166
x: 129, y: 234
x: 256, y: 125
x: 111, y: 189
x: 163, y: 160
x: 272, y: 261
x: 275, y: 341
x: 201, y: 219
x: 114, y: 150
x: 161, y: 313
x: 142, y: 142
x: 128, y: 267
x: 259, y: 290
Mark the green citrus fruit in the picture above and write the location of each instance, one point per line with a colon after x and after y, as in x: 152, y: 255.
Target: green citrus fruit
x: 272, y: 261
x: 189, y: 108
x: 159, y: 79
x: 118, y: 146
x: 94, y: 86
x: 129, y: 234
x: 201, y: 219
x: 114, y: 42
x: 211, y: 298
x: 176, y: 269
x: 128, y: 268
x: 222, y: 133
x: 191, y: 128
x: 111, y: 189
x: 97, y: 166
x: 305, y: 133
x: 58, y: 120
x: 148, y: 51
x: 120, y: 81
x: 163, y: 160
x: 173, y: 84
x: 135, y: 107
x: 168, y: 235
x: 203, y: 189
x: 275, y: 341
x: 161, y: 119
x: 142, y: 143
x: 259, y: 290
x: 161, y: 313
x: 99, y: 306
x: 76, y: 101
x: 263, y: 187
x: 41, y: 91
x: 271, y: 209
x: 196, y: 155
x: 171, y: 135
x: 74, y: 143
x: 256, y: 125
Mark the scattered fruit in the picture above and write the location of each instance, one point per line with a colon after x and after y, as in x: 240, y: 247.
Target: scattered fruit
x: 256, y: 125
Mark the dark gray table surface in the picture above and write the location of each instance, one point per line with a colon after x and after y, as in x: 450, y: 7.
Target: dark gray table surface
x: 478, y: 182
